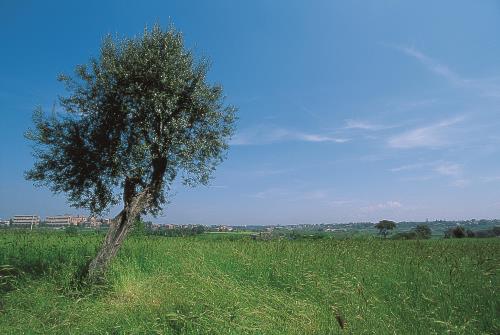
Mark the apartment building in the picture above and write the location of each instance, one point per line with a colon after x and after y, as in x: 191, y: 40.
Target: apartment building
x: 25, y: 220
x: 58, y: 220
x: 78, y: 220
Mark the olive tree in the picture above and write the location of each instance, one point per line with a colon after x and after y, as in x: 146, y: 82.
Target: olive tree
x: 139, y: 116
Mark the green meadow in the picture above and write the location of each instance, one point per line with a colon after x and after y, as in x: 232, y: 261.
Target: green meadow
x: 210, y: 284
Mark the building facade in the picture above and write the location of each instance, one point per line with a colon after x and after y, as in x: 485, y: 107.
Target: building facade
x: 78, y: 220
x: 58, y: 220
x: 26, y: 220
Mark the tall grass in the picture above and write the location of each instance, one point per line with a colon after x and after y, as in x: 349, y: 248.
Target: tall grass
x: 212, y: 285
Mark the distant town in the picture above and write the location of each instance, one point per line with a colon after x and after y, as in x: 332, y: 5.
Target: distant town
x: 80, y: 221
x: 54, y: 221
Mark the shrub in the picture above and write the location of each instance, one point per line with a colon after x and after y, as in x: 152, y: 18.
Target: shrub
x: 457, y: 232
x: 71, y: 230
x: 385, y: 226
x: 423, y: 231
x: 411, y: 235
x: 496, y: 230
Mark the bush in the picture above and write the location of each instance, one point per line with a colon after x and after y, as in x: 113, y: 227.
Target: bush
x: 419, y: 232
x: 423, y: 231
x: 457, y: 232
x: 470, y: 233
x: 71, y: 230
x: 496, y: 231
x: 411, y: 235
x: 177, y: 231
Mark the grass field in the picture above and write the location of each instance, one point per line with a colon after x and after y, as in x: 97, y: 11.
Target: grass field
x: 214, y: 285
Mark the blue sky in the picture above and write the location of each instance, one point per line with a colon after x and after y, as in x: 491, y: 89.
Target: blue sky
x: 348, y: 110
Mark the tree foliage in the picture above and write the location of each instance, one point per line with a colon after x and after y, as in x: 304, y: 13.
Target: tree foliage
x: 384, y: 226
x: 134, y: 119
x: 423, y: 231
x: 456, y: 232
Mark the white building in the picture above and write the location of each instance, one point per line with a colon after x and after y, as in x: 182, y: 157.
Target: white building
x: 78, y: 220
x: 58, y: 220
x: 25, y: 220
x: 65, y: 220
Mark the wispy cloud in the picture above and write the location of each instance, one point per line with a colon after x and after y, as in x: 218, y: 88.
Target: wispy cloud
x: 314, y: 195
x: 267, y: 135
x: 485, y: 86
x: 491, y: 179
x: 364, y: 125
x: 460, y: 182
x: 391, y: 204
x: 271, y: 172
x: 448, y: 169
x: 431, y: 136
x: 316, y: 138
x: 292, y: 195
x: 408, y: 167
x: 417, y: 178
x: 431, y: 170
x: 271, y: 193
x: 408, y: 105
x: 341, y: 202
x: 433, y: 65
x: 218, y: 186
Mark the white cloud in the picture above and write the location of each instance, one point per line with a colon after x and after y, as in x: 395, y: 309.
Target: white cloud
x: 448, y: 169
x: 314, y: 195
x: 340, y: 202
x: 489, y: 87
x: 460, y: 182
x: 271, y: 172
x: 453, y: 171
x: 354, y: 124
x: 433, y: 65
x: 365, y: 125
x: 432, y: 136
x: 382, y: 206
x: 408, y: 105
x: 417, y: 178
x: 267, y: 135
x: 409, y: 167
x: 292, y: 195
x: 316, y: 138
x: 443, y: 168
x: 218, y: 186
x: 271, y: 193
x: 491, y: 179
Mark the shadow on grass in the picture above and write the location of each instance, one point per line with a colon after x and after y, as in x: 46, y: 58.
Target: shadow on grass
x: 80, y: 285
x: 8, y: 278
x: 69, y: 277
x: 9, y: 281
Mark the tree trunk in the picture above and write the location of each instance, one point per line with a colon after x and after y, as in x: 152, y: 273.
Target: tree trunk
x: 118, y: 230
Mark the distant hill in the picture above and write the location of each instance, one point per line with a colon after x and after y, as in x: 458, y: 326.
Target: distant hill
x: 438, y: 227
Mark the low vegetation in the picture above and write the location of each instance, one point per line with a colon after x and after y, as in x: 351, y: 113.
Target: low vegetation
x: 460, y: 232
x: 421, y: 231
x: 210, y: 284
